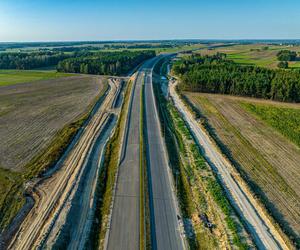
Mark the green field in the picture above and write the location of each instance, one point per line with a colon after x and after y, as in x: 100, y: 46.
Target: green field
x: 9, y: 77
x: 284, y: 120
x: 160, y: 50
x: 294, y: 64
x: 247, y: 58
x: 254, y: 54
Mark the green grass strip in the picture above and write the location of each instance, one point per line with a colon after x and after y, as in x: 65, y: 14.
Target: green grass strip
x: 142, y: 173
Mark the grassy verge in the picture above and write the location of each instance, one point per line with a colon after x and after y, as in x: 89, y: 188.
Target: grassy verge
x: 248, y: 175
x: 197, y: 173
x: 9, y: 77
x: 142, y: 178
x: 198, y: 190
x: 284, y: 120
x: 12, y: 184
x: 107, y: 178
x: 11, y: 196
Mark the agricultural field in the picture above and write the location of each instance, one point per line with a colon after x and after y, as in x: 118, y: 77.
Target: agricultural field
x: 69, y: 47
x: 9, y: 77
x: 252, y: 134
x: 285, y: 120
x: 262, y: 55
x: 36, y: 120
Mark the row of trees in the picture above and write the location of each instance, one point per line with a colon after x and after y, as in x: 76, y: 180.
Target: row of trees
x: 215, y: 74
x: 30, y: 60
x: 105, y: 63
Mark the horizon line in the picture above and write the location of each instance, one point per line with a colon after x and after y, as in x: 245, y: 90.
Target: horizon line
x: 149, y: 40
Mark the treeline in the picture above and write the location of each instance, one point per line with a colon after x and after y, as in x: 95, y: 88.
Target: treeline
x: 105, y: 63
x: 23, y: 60
x: 215, y: 74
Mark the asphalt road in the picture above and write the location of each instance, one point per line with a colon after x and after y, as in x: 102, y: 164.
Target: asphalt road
x: 261, y: 230
x: 165, y: 228
x: 124, y: 226
x: 125, y: 222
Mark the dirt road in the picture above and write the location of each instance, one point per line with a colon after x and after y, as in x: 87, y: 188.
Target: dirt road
x: 262, y: 231
x: 52, y: 194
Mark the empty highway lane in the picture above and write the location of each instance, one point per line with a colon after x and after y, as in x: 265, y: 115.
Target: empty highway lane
x: 124, y: 231
x: 163, y: 208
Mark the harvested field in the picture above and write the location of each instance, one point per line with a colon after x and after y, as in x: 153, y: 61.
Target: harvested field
x: 268, y: 161
x: 32, y: 113
x: 54, y: 194
x: 37, y: 121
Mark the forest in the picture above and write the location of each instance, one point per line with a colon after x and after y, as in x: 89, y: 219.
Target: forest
x: 105, y: 63
x: 216, y: 74
x: 76, y: 61
x: 23, y: 60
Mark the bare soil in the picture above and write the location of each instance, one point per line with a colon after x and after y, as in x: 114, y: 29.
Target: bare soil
x: 32, y: 113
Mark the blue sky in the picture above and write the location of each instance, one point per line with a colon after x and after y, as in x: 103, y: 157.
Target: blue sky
x: 54, y: 20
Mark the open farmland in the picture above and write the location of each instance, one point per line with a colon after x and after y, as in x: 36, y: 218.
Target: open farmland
x: 32, y: 113
x: 261, y: 55
x: 9, y: 77
x: 31, y: 117
x: 266, y: 158
x: 285, y: 120
x: 69, y: 47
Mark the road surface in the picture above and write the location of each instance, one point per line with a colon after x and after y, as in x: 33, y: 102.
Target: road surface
x: 124, y: 231
x: 265, y: 236
x: 165, y: 230
x: 125, y: 218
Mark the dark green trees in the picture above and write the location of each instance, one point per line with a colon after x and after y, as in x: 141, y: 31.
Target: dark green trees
x: 105, y: 63
x: 23, y: 60
x: 214, y: 74
x: 283, y: 65
x: 286, y: 55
